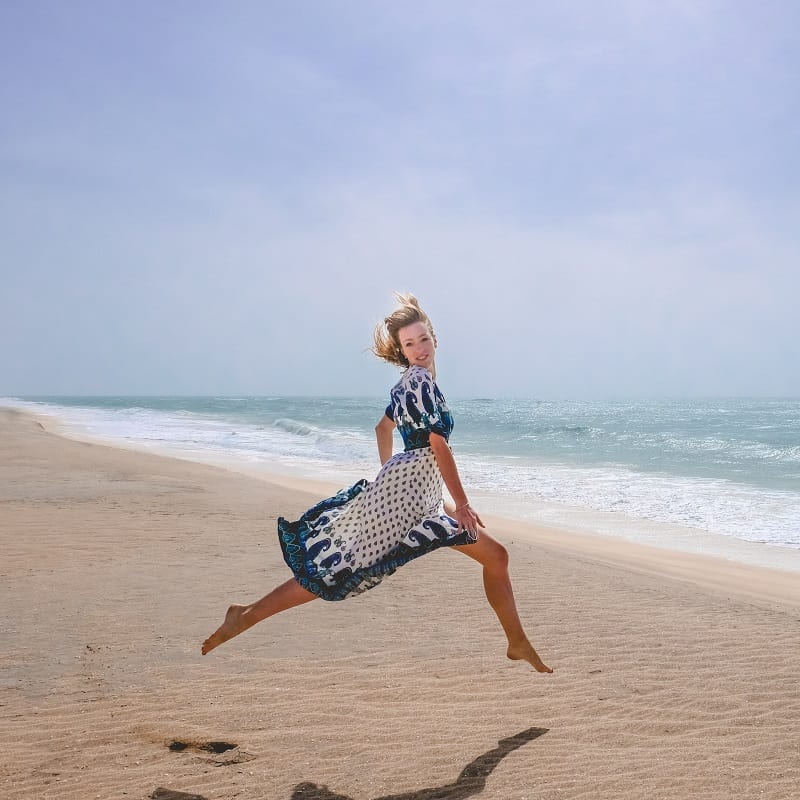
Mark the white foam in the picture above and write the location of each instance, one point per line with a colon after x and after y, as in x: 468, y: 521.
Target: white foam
x: 696, y: 514
x: 715, y: 506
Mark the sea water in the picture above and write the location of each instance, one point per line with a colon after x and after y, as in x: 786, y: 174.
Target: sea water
x: 719, y: 476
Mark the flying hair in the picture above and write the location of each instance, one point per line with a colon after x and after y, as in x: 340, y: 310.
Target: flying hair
x: 387, y: 340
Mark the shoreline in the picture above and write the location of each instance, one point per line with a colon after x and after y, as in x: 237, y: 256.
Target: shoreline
x: 503, y: 503
x: 716, y: 573
x: 117, y: 564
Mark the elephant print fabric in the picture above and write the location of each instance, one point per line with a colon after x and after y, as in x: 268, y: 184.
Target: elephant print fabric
x: 350, y: 542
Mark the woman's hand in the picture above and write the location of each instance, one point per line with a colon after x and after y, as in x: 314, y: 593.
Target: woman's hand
x: 468, y: 520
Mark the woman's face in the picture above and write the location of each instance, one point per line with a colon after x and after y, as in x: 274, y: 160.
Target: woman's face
x: 417, y: 345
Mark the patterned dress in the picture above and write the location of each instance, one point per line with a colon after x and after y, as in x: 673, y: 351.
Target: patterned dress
x: 350, y: 542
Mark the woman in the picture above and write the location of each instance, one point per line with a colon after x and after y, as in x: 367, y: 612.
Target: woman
x: 348, y: 543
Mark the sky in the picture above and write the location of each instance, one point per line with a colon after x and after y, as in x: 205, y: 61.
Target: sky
x: 591, y: 199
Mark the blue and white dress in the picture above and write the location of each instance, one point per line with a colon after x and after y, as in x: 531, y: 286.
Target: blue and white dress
x: 348, y: 543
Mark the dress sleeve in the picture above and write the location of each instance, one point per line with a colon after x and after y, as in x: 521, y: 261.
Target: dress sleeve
x: 389, y: 413
x: 421, y: 411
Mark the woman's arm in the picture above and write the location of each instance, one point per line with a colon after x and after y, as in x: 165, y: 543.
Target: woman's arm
x: 383, y: 432
x: 465, y: 515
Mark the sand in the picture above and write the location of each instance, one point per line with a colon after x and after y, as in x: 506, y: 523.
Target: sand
x: 676, y: 676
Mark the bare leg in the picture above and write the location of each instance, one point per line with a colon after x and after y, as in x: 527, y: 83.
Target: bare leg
x: 497, y: 585
x: 240, y: 618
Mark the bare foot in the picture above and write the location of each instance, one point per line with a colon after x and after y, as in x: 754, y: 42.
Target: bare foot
x: 232, y: 626
x: 524, y: 652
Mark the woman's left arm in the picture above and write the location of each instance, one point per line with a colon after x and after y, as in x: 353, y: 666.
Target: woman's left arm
x: 465, y: 515
x: 383, y: 432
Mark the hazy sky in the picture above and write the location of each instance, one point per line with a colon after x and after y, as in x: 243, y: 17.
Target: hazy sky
x: 592, y: 199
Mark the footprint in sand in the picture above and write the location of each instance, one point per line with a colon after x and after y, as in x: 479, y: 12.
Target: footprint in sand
x: 214, y: 747
x: 172, y: 794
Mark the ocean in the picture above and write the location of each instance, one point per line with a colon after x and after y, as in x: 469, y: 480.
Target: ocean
x: 716, y: 476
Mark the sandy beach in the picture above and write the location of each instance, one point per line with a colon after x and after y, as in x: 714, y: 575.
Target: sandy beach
x: 676, y: 676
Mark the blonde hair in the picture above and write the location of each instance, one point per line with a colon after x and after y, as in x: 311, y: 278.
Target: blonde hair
x: 387, y: 339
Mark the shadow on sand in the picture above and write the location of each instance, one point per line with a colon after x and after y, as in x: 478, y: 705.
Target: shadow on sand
x: 470, y: 782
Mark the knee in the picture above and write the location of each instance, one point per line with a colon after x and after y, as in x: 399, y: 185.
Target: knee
x: 497, y: 555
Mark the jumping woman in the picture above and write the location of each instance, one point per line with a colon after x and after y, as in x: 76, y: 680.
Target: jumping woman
x: 350, y: 542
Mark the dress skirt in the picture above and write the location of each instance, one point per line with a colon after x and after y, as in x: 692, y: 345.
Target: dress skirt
x: 350, y: 542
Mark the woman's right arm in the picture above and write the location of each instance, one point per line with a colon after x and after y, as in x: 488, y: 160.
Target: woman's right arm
x: 466, y: 516
x: 384, y: 431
